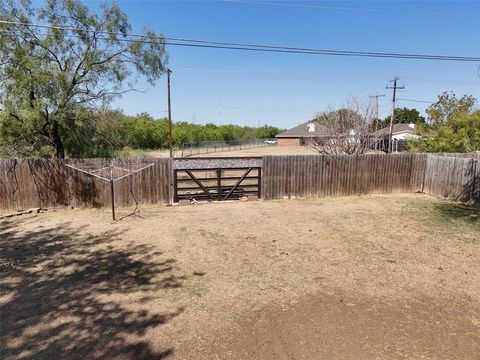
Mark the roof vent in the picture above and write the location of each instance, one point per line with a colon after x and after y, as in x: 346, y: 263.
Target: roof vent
x: 311, y: 127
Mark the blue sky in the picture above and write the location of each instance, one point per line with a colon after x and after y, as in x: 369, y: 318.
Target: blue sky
x: 252, y: 88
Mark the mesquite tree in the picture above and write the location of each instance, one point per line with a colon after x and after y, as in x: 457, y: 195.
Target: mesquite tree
x: 51, y: 76
x: 344, y: 131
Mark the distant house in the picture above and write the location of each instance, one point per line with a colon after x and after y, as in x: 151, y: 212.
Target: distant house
x: 305, y: 134
x: 400, y: 135
x: 399, y: 132
x: 301, y: 135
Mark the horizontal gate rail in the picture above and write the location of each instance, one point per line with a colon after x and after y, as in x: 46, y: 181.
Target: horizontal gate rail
x: 216, y: 187
x: 215, y: 178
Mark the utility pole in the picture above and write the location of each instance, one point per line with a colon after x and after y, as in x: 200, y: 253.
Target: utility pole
x: 376, y: 116
x: 170, y: 146
x: 394, y: 99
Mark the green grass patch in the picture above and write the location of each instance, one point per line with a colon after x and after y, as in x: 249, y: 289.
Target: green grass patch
x: 447, y: 218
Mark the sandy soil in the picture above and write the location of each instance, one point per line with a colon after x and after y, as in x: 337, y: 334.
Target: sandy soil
x: 269, y: 150
x: 387, y: 277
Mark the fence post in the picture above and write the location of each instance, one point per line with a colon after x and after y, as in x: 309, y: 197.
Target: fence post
x: 474, y: 182
x: 425, y: 161
x: 219, y: 184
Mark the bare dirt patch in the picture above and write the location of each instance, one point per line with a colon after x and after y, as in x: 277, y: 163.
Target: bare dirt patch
x: 355, y: 277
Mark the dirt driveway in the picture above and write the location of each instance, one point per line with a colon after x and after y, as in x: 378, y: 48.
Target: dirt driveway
x: 387, y: 277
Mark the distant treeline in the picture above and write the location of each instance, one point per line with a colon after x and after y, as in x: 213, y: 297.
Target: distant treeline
x: 109, y: 133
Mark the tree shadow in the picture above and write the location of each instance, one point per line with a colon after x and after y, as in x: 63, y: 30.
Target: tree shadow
x: 61, y: 291
x: 470, y: 193
x: 450, y: 210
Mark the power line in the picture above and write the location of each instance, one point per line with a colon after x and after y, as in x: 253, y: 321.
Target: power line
x: 323, y: 7
x: 442, y: 81
x: 197, y: 43
x: 277, y: 76
x: 249, y: 107
x: 418, y: 101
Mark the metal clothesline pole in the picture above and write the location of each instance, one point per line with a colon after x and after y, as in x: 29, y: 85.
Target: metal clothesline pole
x: 111, y: 178
x: 112, y: 191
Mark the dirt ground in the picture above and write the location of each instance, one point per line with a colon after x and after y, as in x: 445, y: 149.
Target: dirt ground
x: 364, y: 277
x: 261, y: 151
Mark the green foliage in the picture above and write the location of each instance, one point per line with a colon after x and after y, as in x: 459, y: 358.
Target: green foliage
x: 144, y: 132
x: 267, y: 132
x: 448, y: 106
x: 402, y: 116
x: 455, y: 126
x: 408, y: 116
x: 461, y: 133
x: 52, y: 80
x: 110, y: 133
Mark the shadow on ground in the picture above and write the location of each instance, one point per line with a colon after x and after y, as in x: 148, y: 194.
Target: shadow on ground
x: 60, y: 291
x: 450, y: 210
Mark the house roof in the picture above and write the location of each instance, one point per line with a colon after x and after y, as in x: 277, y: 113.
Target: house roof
x: 398, y: 128
x: 302, y: 131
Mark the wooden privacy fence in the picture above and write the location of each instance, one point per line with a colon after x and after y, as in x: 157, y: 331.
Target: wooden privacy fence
x: 454, y: 178
x: 336, y: 175
x: 44, y: 183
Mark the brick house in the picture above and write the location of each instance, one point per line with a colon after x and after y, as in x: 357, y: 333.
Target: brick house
x: 301, y: 135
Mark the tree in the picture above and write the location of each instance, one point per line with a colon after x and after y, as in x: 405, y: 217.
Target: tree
x: 407, y: 116
x: 344, y: 131
x: 460, y: 134
x: 401, y: 116
x: 98, y: 133
x: 448, y: 106
x: 267, y: 132
x: 50, y: 77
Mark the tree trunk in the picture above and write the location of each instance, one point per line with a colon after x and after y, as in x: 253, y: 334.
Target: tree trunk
x: 57, y: 141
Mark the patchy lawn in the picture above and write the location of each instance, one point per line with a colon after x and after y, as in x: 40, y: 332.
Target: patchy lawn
x: 361, y: 277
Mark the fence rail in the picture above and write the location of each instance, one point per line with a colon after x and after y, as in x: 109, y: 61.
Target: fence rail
x: 44, y: 183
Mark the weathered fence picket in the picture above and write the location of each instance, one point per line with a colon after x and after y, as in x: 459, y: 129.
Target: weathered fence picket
x: 455, y: 178
x: 336, y: 175
x: 44, y: 183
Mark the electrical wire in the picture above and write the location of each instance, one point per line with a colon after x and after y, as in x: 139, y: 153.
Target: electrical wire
x: 418, y: 101
x: 198, y: 43
x: 323, y: 7
x: 273, y: 76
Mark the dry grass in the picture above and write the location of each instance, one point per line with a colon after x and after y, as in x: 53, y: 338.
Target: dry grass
x: 393, y: 276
